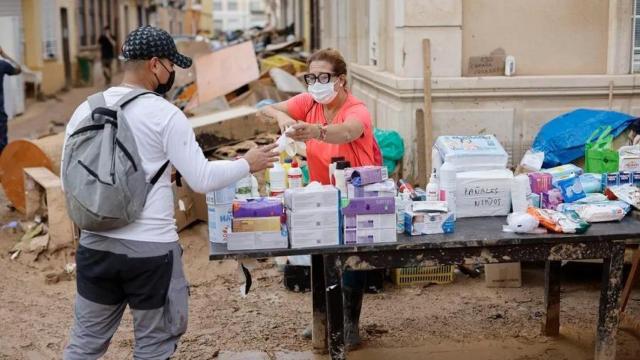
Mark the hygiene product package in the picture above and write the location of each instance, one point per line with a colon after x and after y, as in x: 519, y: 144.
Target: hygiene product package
x: 483, y: 193
x: 303, y: 238
x: 591, y: 183
x: 563, y: 171
x: 370, y: 221
x: 570, y: 188
x: 472, y: 152
x: 629, y: 158
x: 259, y: 240
x: 540, y: 182
x: 257, y: 207
x: 551, y: 199
x: 598, y: 212
x: 427, y: 223
x: 385, y: 188
x: 313, y: 219
x: 365, y: 175
x: 568, y: 222
x: 313, y: 196
x: 219, y: 222
x: 628, y: 193
x: 257, y: 224
x: 520, y: 190
x: 369, y: 236
x: 521, y: 223
x: 533, y: 199
x: 532, y: 161
x: 363, y: 206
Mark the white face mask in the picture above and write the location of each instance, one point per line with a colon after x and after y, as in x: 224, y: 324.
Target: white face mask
x: 322, y: 93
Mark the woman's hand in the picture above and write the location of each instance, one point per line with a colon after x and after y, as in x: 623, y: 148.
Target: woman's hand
x: 303, y: 131
x: 285, y: 122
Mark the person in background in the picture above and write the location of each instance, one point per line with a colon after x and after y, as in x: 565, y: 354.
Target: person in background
x: 9, y: 67
x: 107, y: 53
x: 333, y: 123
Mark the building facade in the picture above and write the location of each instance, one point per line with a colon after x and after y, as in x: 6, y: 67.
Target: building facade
x: 230, y: 15
x: 569, y: 54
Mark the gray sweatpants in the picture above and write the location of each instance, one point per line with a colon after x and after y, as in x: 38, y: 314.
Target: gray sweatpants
x: 114, y: 273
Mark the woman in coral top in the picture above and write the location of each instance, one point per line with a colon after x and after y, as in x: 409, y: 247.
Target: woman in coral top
x: 332, y: 122
x: 328, y: 118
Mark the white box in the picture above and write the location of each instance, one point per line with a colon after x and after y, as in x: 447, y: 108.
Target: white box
x: 220, y: 222
x: 258, y: 240
x: 373, y: 221
x: 302, y: 238
x: 428, y: 223
x: 311, y: 199
x: 629, y: 158
x: 313, y: 219
x: 476, y: 152
x: 369, y: 236
x: 483, y: 193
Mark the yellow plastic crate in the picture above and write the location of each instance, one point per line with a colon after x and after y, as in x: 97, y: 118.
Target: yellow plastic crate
x: 279, y: 60
x: 442, y: 274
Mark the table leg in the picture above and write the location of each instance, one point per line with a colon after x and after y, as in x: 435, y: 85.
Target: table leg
x: 335, y: 307
x: 319, y: 300
x: 551, y: 325
x: 609, y: 314
x: 633, y: 275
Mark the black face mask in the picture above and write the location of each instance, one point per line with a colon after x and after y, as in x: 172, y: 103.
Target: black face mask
x: 163, y: 88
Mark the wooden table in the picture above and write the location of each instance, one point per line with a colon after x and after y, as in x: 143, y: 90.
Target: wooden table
x: 475, y: 241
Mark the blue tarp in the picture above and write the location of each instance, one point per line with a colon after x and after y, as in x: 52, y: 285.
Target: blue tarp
x: 562, y: 139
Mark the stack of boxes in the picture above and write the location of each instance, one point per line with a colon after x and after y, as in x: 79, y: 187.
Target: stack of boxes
x: 313, y: 216
x: 258, y: 223
x: 370, y: 212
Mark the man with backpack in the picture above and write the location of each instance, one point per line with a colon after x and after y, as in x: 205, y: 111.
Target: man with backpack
x: 118, y: 146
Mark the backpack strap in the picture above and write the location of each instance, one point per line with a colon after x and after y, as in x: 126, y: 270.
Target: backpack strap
x: 96, y: 101
x: 132, y: 95
x: 156, y: 177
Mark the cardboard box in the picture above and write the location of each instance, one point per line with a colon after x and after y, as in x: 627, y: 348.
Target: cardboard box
x: 427, y: 223
x: 386, y: 188
x: 483, y: 193
x: 370, y: 221
x: 366, y: 175
x: 258, y: 240
x: 257, y: 207
x: 503, y: 275
x: 309, y: 199
x: 188, y: 206
x: 313, y: 219
x: 303, y: 238
x: 220, y: 223
x: 471, y: 152
x: 369, y: 236
x: 264, y: 224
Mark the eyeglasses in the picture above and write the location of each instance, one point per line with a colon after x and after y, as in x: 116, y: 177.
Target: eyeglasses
x: 322, y: 78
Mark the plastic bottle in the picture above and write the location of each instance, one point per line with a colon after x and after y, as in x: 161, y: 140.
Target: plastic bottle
x: 287, y: 166
x: 277, y: 180
x: 294, y: 176
x: 448, y: 185
x: 339, y: 177
x: 403, y: 203
x: 436, y: 160
x: 332, y: 167
x: 433, y: 188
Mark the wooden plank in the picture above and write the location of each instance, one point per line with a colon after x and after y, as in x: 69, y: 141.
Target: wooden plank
x: 421, y: 178
x: 225, y: 70
x: 41, y: 182
x: 609, y: 311
x: 633, y: 276
x: 428, y: 116
x: 551, y: 325
x: 319, y: 304
x: 335, y: 307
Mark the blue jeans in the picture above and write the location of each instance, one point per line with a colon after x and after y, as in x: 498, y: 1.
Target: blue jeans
x: 3, y: 130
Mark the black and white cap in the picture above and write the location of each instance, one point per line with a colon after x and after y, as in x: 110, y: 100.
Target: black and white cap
x: 147, y: 42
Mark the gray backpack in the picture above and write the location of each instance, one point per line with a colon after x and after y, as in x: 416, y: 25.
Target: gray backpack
x: 104, y: 183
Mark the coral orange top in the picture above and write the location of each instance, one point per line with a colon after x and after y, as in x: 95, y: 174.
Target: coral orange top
x: 359, y: 152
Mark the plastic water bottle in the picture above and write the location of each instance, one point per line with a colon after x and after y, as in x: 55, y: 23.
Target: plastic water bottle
x: 294, y: 176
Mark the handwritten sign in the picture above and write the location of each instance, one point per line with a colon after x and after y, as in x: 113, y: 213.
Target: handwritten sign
x: 486, y: 65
